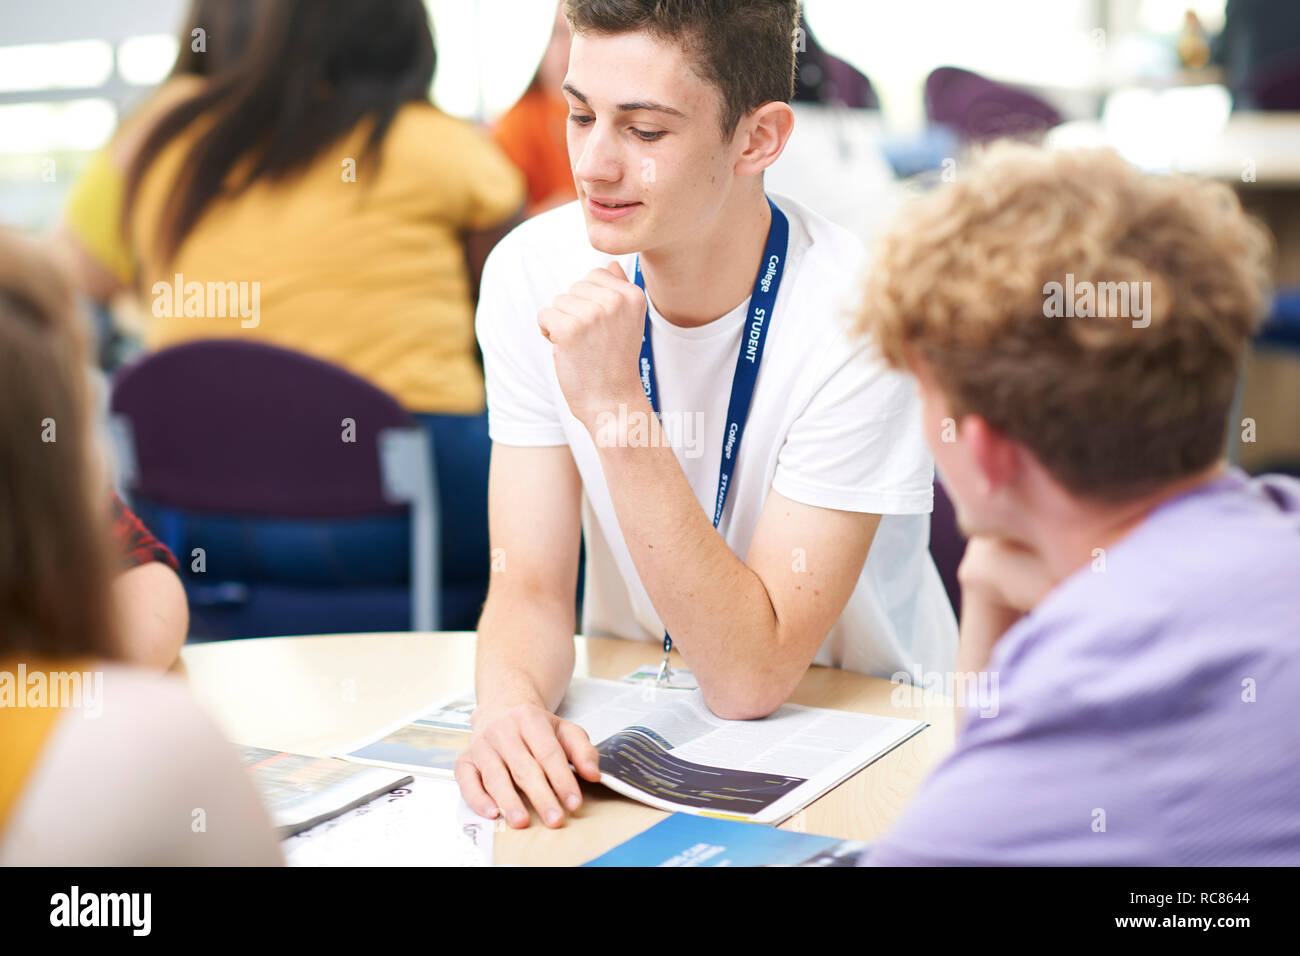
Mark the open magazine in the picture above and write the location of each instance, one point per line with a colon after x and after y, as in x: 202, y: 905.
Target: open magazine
x: 665, y: 748
x: 300, y: 792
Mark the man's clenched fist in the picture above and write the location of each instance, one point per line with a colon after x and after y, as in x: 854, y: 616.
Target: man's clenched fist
x: 595, y: 329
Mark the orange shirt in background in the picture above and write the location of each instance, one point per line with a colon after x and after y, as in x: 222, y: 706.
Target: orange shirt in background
x: 532, y: 134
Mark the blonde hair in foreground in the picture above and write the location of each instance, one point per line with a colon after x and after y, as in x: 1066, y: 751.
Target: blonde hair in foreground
x: 1113, y: 406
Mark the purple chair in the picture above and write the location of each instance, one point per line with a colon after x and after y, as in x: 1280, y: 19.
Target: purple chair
x: 240, y: 428
x: 1274, y: 85
x: 947, y: 544
x: 823, y: 78
x: 980, y: 110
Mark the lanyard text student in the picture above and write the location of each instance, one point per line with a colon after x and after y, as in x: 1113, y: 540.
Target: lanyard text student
x: 761, y: 304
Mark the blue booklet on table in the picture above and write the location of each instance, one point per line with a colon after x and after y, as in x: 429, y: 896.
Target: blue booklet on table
x: 685, y: 839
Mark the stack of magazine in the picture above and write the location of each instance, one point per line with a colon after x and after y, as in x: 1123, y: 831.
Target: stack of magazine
x: 300, y: 792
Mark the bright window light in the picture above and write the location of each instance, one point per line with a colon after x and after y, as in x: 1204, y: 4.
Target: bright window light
x: 43, y: 128
x: 146, y: 60
x: 1166, y: 16
x: 1164, y: 129
x: 78, y: 64
x: 897, y: 45
x: 487, y: 52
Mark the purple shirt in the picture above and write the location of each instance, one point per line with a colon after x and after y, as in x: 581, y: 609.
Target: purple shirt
x: 1148, y: 713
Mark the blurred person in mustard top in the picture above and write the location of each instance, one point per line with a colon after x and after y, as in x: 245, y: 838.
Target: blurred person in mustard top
x: 88, y: 238
x: 534, y: 132
x: 101, y: 763
x: 370, y: 275
x: 317, y: 171
x: 314, y: 174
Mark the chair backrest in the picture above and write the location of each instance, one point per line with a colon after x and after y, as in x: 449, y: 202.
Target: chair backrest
x: 947, y: 544
x: 980, y: 109
x: 1274, y: 84
x: 247, y: 428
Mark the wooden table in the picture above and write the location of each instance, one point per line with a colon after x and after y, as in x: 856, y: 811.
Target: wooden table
x: 314, y: 695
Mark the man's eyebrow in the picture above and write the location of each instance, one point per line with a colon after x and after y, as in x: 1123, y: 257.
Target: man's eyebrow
x: 628, y: 107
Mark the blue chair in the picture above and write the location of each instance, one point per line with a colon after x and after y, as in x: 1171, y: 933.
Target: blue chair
x: 265, y: 459
x: 1282, y: 328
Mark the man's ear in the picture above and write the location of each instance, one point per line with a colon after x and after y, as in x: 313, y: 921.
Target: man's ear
x: 769, y: 128
x: 996, y: 457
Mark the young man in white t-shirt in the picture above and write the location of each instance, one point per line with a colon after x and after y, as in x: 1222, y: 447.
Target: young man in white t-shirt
x: 820, y: 552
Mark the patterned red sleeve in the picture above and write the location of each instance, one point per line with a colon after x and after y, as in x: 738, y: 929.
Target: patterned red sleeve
x: 137, y: 545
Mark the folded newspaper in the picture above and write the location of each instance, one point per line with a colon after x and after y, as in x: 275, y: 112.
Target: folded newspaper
x: 665, y: 748
x: 424, y: 823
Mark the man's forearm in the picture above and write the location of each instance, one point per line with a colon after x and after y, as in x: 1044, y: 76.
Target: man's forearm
x: 983, y: 622
x: 525, y: 653
x: 715, y: 607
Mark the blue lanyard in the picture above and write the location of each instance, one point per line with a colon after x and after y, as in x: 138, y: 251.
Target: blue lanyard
x: 761, y: 303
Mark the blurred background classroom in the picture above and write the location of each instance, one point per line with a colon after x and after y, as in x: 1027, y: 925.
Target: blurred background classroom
x: 232, y: 439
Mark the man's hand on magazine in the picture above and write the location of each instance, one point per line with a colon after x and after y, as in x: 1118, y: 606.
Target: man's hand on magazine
x: 527, y: 750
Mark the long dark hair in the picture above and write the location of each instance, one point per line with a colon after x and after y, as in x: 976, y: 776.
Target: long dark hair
x: 314, y: 71
x: 227, y: 27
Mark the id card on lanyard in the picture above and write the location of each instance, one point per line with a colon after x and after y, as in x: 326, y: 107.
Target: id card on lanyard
x: 753, y: 337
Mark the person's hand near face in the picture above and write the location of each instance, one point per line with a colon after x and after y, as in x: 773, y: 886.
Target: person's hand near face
x: 595, y: 329
x: 1000, y: 581
x: 657, y: 175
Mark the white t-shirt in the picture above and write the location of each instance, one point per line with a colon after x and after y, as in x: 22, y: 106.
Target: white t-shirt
x: 830, y: 425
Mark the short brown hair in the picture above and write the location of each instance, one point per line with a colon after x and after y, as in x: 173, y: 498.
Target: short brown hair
x: 1111, y: 410
x: 54, y: 542
x: 746, y: 48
